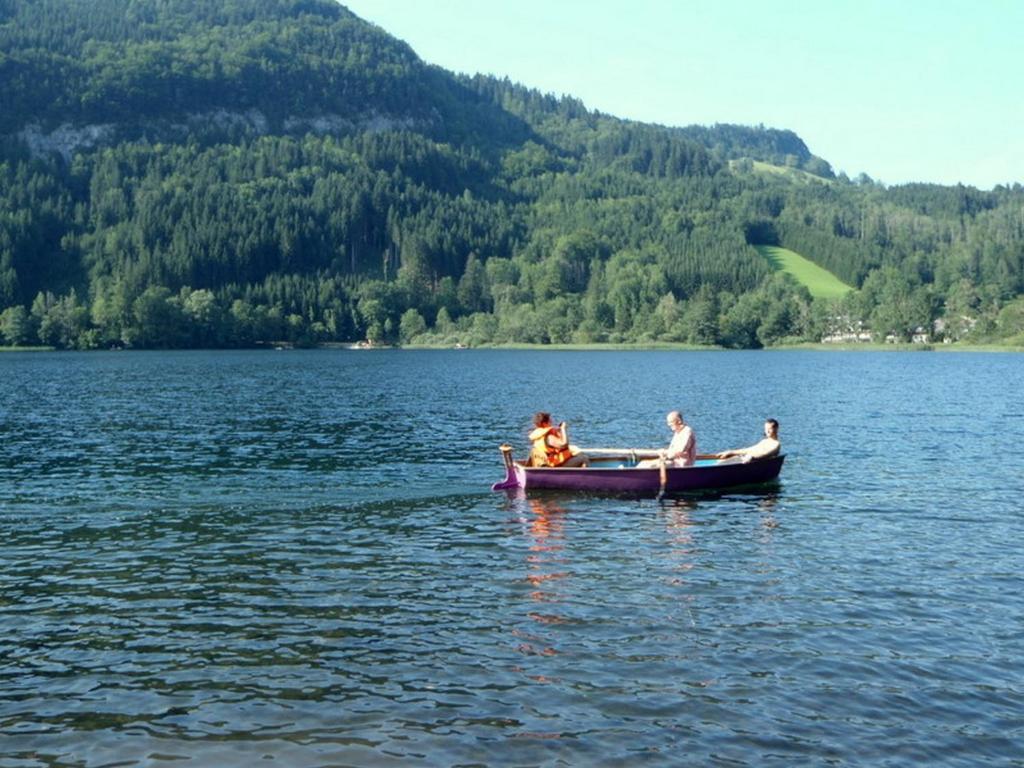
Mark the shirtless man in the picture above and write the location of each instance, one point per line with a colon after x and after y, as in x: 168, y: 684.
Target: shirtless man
x: 769, y: 446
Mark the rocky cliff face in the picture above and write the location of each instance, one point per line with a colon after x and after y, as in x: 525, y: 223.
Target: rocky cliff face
x: 67, y: 139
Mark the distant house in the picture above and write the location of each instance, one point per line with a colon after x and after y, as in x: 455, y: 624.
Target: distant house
x: 843, y: 330
x: 918, y: 336
x: 951, y: 329
x: 846, y: 337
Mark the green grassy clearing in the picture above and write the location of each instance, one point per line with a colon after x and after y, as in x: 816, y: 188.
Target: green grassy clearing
x: 797, y: 175
x: 820, y: 282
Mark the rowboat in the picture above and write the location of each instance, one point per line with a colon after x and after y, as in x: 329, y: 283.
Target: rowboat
x: 614, y: 470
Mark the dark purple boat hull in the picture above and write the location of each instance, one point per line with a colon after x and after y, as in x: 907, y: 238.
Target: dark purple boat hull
x: 632, y: 480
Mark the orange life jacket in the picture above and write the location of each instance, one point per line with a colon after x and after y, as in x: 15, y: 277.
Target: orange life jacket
x: 544, y: 455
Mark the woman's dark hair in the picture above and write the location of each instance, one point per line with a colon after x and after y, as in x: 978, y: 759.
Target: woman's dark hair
x: 540, y: 418
x: 774, y: 423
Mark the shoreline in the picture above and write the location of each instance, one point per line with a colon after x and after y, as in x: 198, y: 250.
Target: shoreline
x: 679, y: 347
x: 664, y: 346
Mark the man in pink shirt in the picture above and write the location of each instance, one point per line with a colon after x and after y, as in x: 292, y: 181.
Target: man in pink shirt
x: 681, y: 451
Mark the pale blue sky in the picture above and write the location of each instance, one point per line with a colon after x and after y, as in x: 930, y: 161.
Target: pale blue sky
x: 903, y: 90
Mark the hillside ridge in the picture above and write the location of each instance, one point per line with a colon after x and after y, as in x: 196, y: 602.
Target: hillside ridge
x: 201, y: 173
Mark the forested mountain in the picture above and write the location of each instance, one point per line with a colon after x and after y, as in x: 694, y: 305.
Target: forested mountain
x: 230, y: 172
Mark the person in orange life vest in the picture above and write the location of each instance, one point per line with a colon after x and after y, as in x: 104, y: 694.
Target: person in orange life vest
x: 549, y: 448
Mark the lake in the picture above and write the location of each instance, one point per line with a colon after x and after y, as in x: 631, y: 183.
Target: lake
x: 294, y: 557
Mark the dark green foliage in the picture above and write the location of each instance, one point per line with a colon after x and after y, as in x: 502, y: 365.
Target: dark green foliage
x: 192, y: 173
x: 115, y: 60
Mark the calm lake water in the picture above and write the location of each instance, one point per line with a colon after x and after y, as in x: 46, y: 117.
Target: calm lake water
x: 294, y: 558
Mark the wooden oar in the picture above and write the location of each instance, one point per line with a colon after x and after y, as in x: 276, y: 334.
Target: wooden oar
x: 640, y: 453
x: 662, y: 476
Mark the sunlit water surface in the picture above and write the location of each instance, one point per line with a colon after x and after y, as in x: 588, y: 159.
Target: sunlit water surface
x: 294, y: 557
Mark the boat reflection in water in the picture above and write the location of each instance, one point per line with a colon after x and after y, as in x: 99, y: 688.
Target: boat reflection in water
x: 546, y: 574
x: 546, y: 550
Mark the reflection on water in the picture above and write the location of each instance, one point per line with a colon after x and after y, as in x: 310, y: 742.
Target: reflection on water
x: 681, y: 539
x: 547, y: 570
x: 546, y: 561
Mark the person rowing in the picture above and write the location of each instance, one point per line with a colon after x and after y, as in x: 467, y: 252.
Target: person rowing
x: 769, y: 446
x: 549, y: 445
x: 681, y: 451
